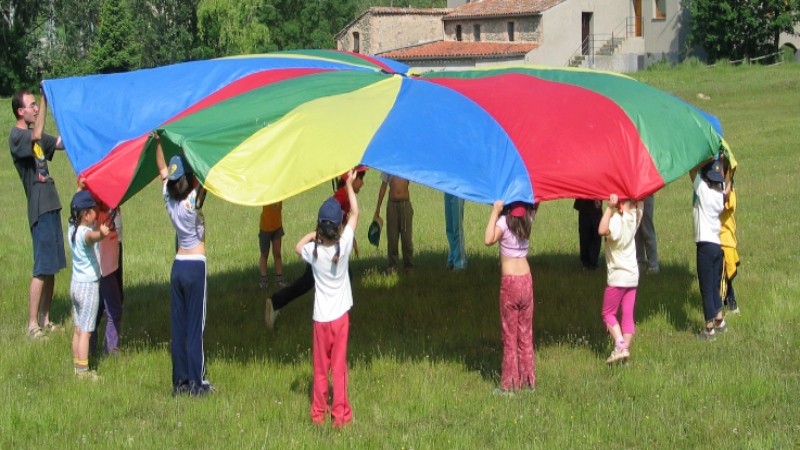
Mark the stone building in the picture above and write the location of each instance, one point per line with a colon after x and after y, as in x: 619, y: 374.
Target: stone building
x: 381, y: 29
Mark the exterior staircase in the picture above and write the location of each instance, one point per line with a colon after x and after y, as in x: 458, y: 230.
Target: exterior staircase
x: 610, y: 46
x: 577, y: 60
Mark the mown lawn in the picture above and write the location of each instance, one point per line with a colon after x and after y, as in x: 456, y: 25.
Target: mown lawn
x: 425, y: 349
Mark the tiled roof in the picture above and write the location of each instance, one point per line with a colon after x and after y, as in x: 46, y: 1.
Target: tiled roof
x: 495, y: 8
x: 459, y: 49
x: 386, y: 10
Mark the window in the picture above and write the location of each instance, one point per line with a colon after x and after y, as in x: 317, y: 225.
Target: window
x: 660, y: 10
x: 458, y: 32
x: 510, y: 31
x: 476, y: 33
x: 356, y: 42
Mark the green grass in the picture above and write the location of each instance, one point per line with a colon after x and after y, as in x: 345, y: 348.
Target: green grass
x: 425, y: 349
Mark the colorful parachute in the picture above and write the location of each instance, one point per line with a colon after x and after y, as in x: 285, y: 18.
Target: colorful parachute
x: 261, y: 128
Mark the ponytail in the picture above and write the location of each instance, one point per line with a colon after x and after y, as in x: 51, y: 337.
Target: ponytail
x: 328, y: 234
x: 75, y: 218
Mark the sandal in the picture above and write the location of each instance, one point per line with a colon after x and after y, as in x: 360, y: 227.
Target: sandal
x: 50, y: 327
x: 36, y: 333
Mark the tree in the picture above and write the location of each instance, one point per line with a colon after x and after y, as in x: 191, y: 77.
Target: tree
x: 19, y: 26
x: 737, y: 29
x: 115, y: 48
x: 167, y: 30
x: 232, y: 27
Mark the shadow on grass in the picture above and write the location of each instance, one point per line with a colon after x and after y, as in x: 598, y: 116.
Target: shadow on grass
x: 431, y: 314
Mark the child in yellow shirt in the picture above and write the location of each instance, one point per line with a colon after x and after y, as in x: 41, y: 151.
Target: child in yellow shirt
x: 271, y: 234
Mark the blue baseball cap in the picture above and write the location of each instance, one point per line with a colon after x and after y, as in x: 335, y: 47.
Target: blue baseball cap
x: 330, y: 211
x: 82, y: 200
x: 177, y: 168
x: 714, y: 172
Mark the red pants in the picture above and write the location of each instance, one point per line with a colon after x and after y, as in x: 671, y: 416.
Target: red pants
x: 516, y: 315
x: 330, y: 355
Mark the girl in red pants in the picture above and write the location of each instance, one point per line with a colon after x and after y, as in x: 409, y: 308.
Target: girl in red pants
x: 328, y: 250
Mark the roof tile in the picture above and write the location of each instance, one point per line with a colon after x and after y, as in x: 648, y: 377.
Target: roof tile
x: 501, y: 8
x: 454, y: 49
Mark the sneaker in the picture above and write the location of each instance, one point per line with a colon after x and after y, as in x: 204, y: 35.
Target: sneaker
x: 734, y: 311
x: 503, y: 392
x: 270, y: 315
x: 653, y: 270
x: 90, y: 375
x: 721, y: 327
x: 201, y: 390
x: 263, y: 284
x: 618, y: 355
x: 181, y: 389
x: 706, y: 335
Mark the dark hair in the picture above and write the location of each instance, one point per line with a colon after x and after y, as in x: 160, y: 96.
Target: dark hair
x: 339, y: 181
x: 75, y: 218
x: 327, y: 232
x: 181, y: 188
x: 17, y: 101
x: 521, y: 226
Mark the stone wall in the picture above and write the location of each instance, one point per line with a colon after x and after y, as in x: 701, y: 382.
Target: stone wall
x: 380, y: 33
x: 526, y: 29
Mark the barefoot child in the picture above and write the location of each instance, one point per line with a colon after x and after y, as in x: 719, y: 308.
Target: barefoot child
x: 328, y: 250
x: 84, y: 234
x: 618, y: 226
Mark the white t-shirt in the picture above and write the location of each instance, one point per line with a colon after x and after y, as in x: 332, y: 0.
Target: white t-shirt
x: 334, y: 295
x: 623, y: 271
x: 186, y: 218
x: 708, y: 205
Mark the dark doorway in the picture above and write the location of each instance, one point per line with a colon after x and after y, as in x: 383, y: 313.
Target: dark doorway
x: 586, y: 32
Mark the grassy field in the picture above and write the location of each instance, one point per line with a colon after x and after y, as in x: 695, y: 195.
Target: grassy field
x: 425, y: 349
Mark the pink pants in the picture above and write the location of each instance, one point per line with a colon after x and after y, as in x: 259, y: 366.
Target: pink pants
x: 612, y: 299
x: 330, y: 355
x: 516, y: 315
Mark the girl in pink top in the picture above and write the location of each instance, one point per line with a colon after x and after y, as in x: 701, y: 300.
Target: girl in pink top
x: 511, y: 227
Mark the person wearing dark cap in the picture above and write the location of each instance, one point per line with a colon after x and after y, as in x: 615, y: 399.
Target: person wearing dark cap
x: 709, y: 202
x: 184, y: 198
x: 31, y: 149
x: 328, y: 251
x: 510, y: 227
x: 84, y: 233
x: 305, y: 283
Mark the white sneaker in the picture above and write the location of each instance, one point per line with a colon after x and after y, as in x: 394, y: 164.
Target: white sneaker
x: 270, y: 315
x: 618, y: 355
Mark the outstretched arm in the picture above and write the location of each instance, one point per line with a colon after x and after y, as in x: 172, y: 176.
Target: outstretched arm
x: 352, y: 221
x: 303, y: 241
x: 160, y: 161
x: 38, y: 125
x: 603, y: 230
x: 493, y: 233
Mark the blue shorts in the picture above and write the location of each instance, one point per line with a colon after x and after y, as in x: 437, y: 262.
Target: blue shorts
x: 265, y: 237
x: 48, y: 244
